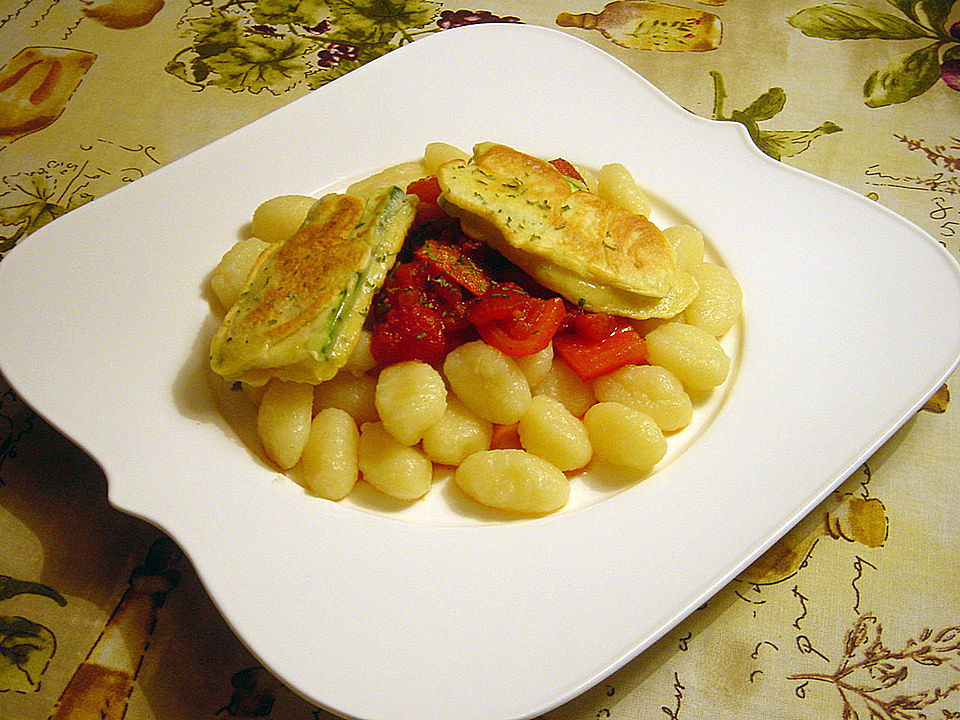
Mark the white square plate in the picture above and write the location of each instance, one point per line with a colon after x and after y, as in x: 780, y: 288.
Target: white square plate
x: 432, y: 611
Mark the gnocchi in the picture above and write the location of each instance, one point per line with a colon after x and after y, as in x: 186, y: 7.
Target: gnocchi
x: 717, y: 307
x: 536, y: 367
x: 687, y: 243
x: 276, y: 219
x: 624, y: 436
x: 353, y: 393
x: 650, y: 389
x: 400, y: 471
x: 329, y: 464
x: 616, y: 184
x: 410, y: 397
x: 562, y: 384
x: 693, y: 355
x: 399, y: 175
x: 550, y: 431
x: 457, y: 434
x: 436, y: 154
x: 231, y: 273
x: 513, y: 480
x: 283, y: 421
x: 488, y: 382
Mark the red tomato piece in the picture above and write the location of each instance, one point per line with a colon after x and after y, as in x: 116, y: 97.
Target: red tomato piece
x: 516, y: 323
x: 455, y: 263
x: 409, y: 333
x: 428, y: 211
x: 591, y: 358
x: 567, y: 169
x: 595, y: 325
x: 418, y: 316
x: 427, y: 189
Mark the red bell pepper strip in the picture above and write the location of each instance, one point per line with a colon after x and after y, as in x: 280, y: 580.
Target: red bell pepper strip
x: 516, y: 323
x: 455, y: 264
x: 427, y: 189
x: 568, y: 169
x: 590, y: 353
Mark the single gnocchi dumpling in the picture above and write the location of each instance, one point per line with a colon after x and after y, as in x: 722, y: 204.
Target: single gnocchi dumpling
x: 399, y: 175
x: 513, y: 480
x: 329, y: 465
x: 693, y: 355
x: 278, y: 218
x: 535, y: 367
x: 687, y: 243
x: 361, y: 360
x: 488, y: 382
x: 717, y: 307
x: 457, y: 434
x: 624, y: 436
x: 231, y: 273
x: 410, y: 397
x: 354, y: 394
x: 650, y: 389
x: 395, y: 469
x: 283, y: 421
x: 436, y: 154
x: 550, y: 431
x: 616, y: 184
x: 563, y: 384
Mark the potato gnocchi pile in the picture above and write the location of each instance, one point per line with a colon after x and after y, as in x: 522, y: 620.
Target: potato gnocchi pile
x: 515, y: 430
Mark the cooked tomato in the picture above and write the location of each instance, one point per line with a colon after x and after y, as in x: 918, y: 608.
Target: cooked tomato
x: 429, y: 212
x: 418, y: 315
x: 457, y: 261
x: 427, y: 189
x: 594, y: 344
x: 514, y: 322
x: 567, y: 169
x: 409, y: 333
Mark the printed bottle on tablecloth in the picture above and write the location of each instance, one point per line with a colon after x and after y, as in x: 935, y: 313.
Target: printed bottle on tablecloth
x: 102, y: 684
x: 650, y: 26
x: 35, y: 86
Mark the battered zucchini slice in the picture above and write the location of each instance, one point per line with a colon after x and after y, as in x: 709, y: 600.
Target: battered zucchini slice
x: 299, y: 315
x: 573, y: 242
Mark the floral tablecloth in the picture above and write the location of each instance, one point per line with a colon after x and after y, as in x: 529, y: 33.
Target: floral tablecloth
x: 854, y: 614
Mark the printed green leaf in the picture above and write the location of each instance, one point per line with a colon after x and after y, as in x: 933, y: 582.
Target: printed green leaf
x: 318, y: 78
x: 852, y: 22
x: 295, y: 12
x: 767, y: 105
x: 29, y: 204
x: 935, y: 12
x: 779, y: 144
x: 903, y: 78
x: 748, y: 122
x: 260, y: 63
x: 216, y: 30
x: 25, y: 651
x: 719, y: 95
x: 379, y: 18
x: 905, y: 6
